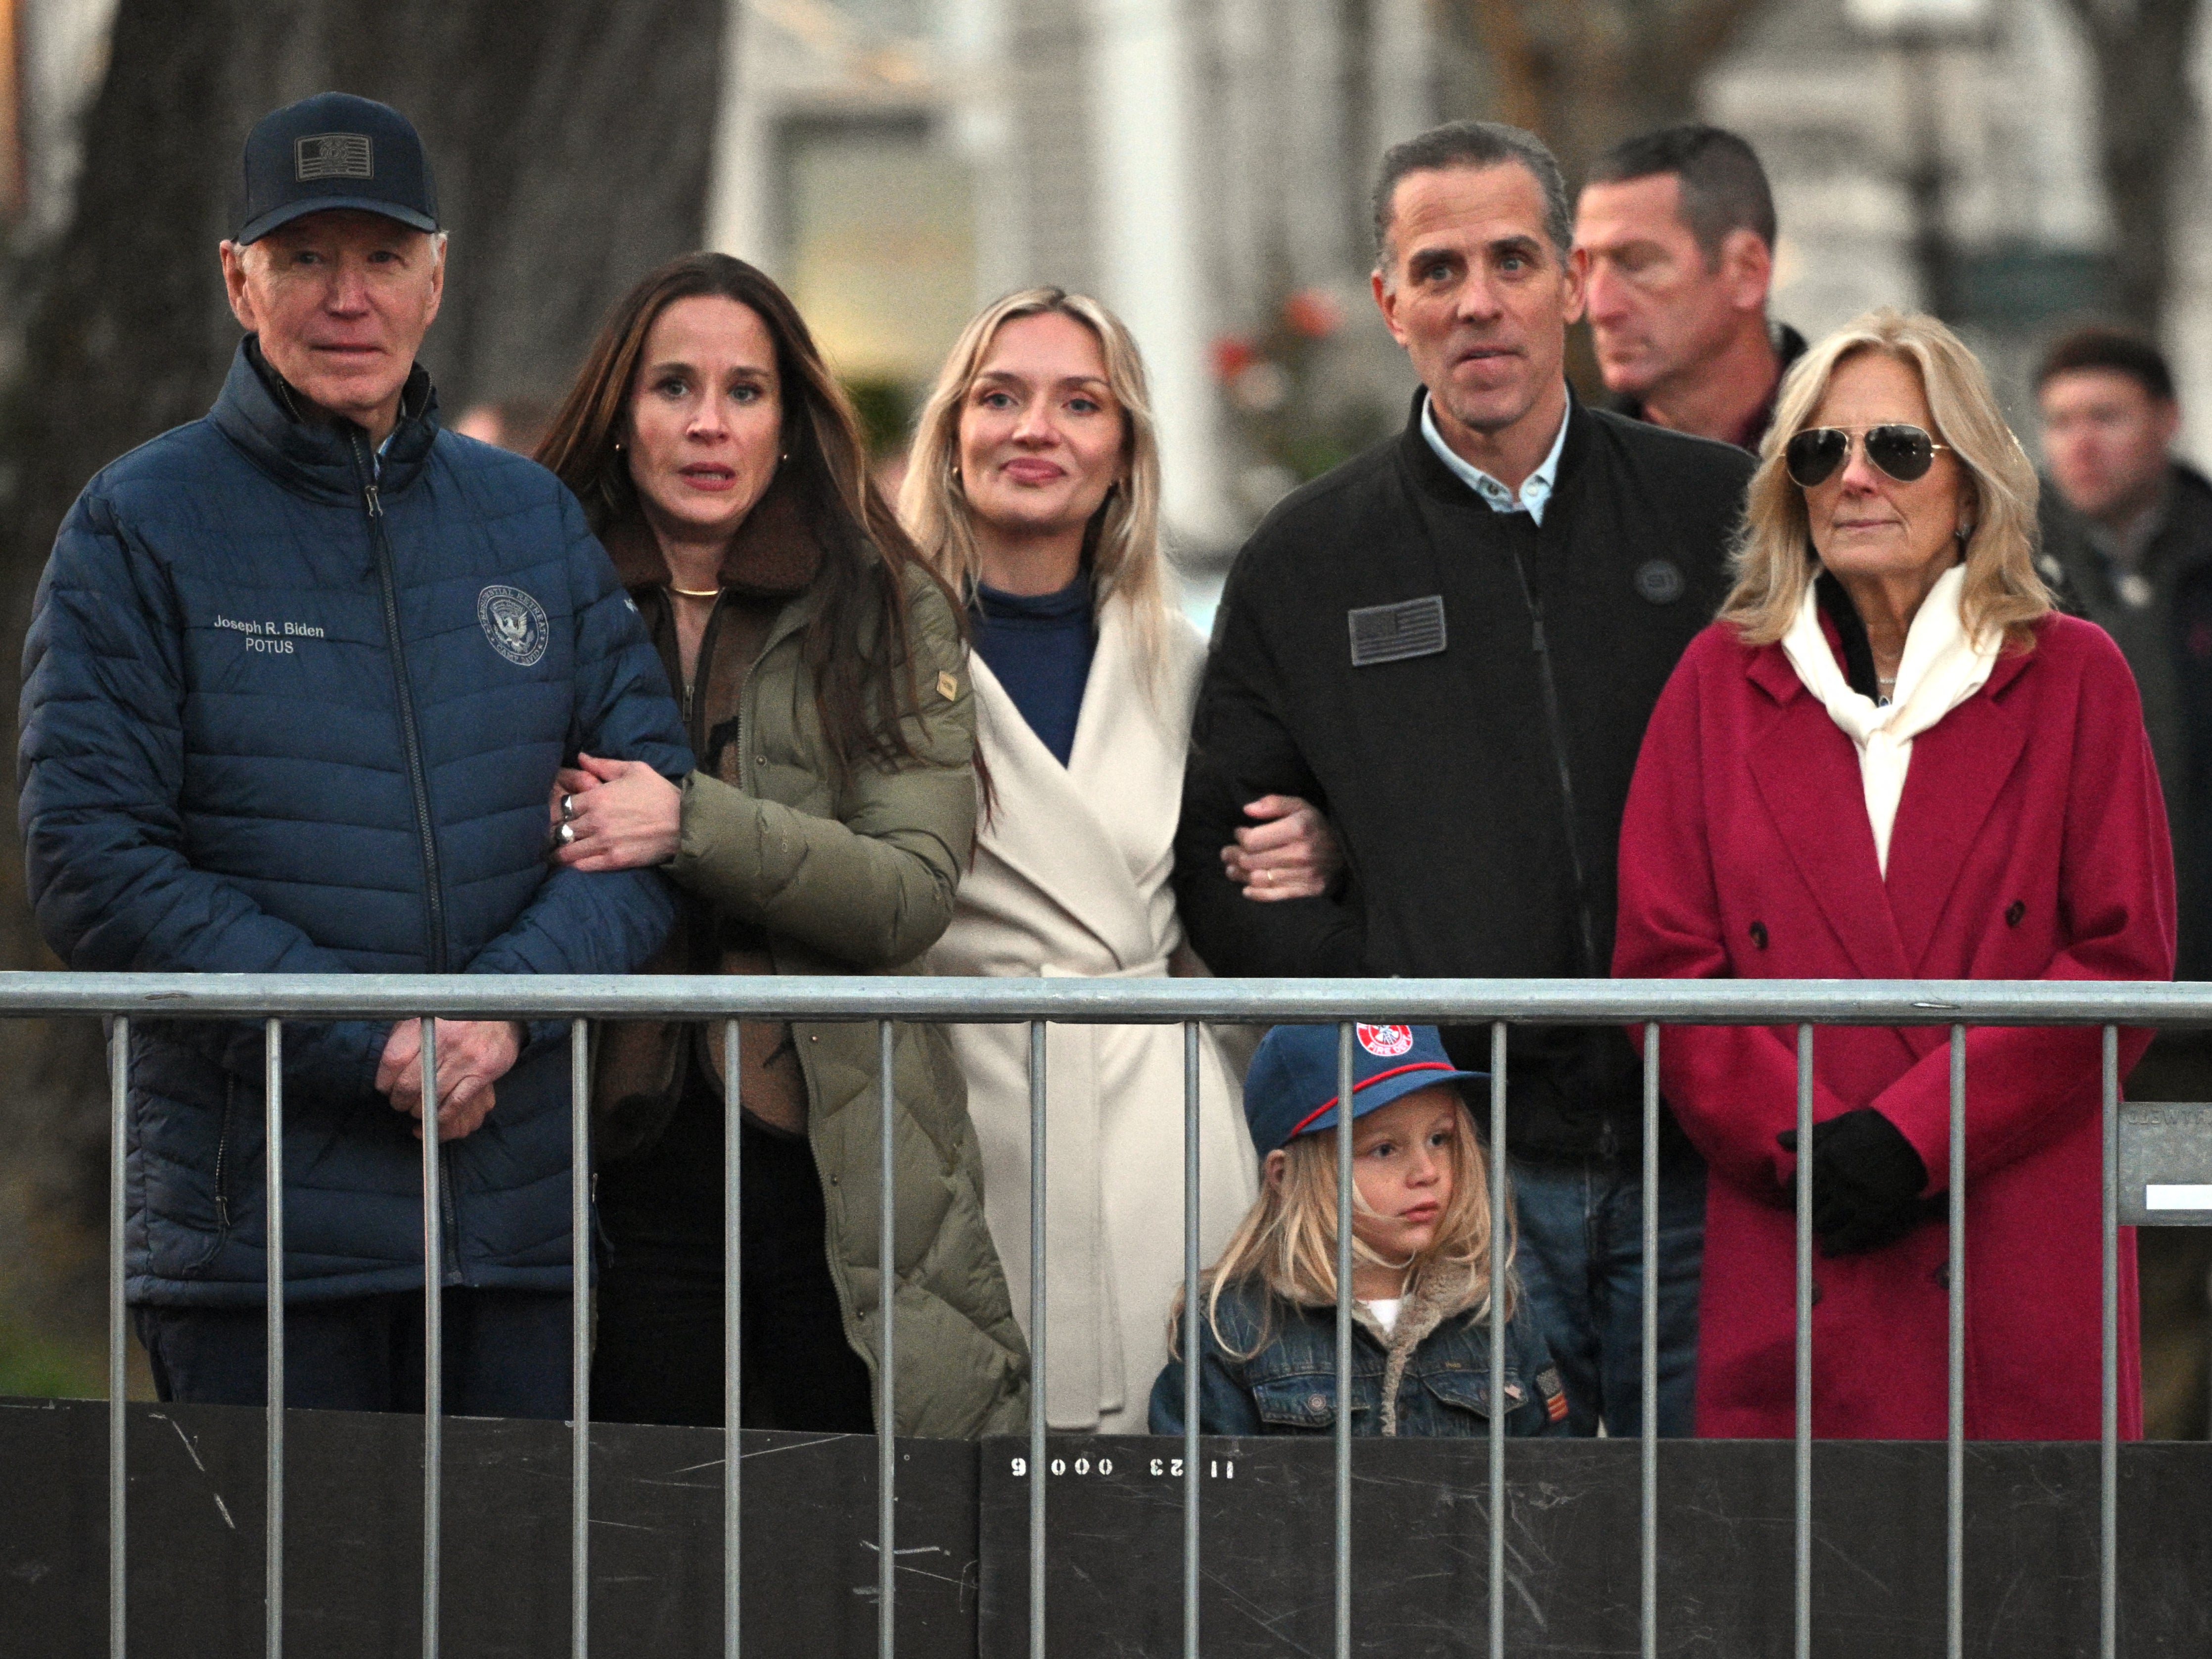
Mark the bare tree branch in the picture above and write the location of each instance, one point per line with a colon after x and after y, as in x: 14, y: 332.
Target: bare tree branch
x: 1584, y: 74
x: 2146, y: 127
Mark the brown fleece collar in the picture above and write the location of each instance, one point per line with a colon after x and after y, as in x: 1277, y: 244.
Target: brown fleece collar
x: 773, y: 555
x: 1438, y: 1296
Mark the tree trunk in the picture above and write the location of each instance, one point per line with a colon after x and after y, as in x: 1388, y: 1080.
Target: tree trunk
x: 2146, y: 122
x: 1582, y: 74
x: 571, y: 142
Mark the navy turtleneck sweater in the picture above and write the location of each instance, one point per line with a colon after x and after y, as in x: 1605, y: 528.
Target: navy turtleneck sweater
x: 1040, y: 647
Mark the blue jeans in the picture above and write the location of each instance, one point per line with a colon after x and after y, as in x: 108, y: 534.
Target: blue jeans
x: 1582, y: 1263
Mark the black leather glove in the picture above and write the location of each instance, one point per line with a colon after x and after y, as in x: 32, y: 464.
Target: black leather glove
x: 1865, y: 1182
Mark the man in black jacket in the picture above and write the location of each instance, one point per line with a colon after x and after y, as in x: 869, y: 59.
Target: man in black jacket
x: 1449, y: 646
x: 2127, y: 536
x: 1678, y: 227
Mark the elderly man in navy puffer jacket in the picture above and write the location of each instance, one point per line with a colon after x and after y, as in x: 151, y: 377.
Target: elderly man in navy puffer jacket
x: 297, y: 684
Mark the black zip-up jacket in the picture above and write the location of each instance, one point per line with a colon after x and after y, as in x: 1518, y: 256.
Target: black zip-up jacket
x: 1477, y: 786
x: 2167, y: 640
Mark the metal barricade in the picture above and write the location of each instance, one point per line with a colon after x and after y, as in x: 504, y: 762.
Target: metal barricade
x: 276, y: 999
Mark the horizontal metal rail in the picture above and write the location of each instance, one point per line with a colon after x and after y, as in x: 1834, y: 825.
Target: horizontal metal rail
x: 1499, y: 1003
x: 1111, y: 1001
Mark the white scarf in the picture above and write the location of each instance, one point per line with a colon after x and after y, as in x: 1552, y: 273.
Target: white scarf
x: 1942, y: 668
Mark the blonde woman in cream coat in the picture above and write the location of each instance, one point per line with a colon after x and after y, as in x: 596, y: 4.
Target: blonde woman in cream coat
x: 1034, y: 488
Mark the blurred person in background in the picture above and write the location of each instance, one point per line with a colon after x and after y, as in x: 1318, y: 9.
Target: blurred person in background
x: 1678, y: 228
x: 832, y: 812
x: 254, y: 741
x: 518, y: 423
x: 2127, y: 531
x: 1891, y: 759
x: 1034, y: 491
x: 1449, y: 645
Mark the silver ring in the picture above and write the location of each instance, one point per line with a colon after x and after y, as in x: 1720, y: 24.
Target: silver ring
x: 568, y: 807
x: 565, y: 836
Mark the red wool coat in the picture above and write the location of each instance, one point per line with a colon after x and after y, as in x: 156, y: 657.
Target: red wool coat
x: 2031, y: 843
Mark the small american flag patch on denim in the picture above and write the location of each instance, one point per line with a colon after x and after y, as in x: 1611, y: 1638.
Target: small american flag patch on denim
x: 1391, y: 633
x: 1554, y: 1393
x: 334, y: 155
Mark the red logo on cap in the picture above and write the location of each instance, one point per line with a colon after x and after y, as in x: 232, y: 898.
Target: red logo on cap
x: 1386, y: 1040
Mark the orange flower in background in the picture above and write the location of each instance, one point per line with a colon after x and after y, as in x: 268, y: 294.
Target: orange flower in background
x: 1313, y: 312
x: 1232, y: 355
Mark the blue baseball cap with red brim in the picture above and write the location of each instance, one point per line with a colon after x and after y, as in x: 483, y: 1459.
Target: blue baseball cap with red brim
x: 1290, y: 1089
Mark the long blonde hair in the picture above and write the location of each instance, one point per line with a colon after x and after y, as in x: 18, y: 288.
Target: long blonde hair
x: 1287, y: 1239
x: 1773, y: 556
x: 1123, y: 542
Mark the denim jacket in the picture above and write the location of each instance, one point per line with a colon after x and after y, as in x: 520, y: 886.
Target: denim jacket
x: 1431, y: 1376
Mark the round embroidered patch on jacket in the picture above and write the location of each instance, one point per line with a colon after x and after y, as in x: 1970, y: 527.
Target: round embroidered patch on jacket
x: 514, y: 623
x: 1661, y: 581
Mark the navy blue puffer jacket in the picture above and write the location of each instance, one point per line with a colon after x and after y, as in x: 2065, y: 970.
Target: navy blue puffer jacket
x: 290, y: 707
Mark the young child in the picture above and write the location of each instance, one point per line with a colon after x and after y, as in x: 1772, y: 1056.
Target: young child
x: 1421, y: 1273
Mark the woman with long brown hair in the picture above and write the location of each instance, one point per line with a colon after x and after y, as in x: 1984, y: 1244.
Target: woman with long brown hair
x: 821, y: 673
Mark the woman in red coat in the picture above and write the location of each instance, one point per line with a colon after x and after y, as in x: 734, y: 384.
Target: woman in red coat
x: 1891, y: 758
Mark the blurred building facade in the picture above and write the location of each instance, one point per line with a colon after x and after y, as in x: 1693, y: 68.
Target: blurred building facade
x: 1200, y: 163
x: 1194, y: 163
x: 1203, y: 166
x: 1932, y: 154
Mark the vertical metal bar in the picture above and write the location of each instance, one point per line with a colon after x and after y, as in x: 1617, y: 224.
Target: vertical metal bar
x: 1648, y: 1524
x: 580, y: 1340
x: 1037, y: 1339
x: 1191, y: 1344
x: 1802, y: 1483
x: 1954, y: 1486
x: 434, y: 1359
x: 1344, y: 1122
x: 887, y: 1373
x: 272, y: 1173
x: 2108, y: 1468
x: 118, y: 1176
x: 734, y: 1376
x: 1497, y: 1284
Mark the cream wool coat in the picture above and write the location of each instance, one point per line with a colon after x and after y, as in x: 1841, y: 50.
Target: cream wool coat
x: 1071, y: 879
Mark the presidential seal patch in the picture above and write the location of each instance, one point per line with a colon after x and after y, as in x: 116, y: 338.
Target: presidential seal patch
x: 514, y: 623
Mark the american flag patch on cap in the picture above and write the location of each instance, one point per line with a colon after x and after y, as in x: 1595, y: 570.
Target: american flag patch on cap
x: 334, y: 155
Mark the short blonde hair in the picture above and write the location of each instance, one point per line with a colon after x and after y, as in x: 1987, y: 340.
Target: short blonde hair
x: 1124, y: 543
x: 1773, y: 556
x: 1287, y: 1240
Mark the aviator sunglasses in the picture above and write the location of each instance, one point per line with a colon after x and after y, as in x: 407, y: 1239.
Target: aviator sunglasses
x: 1904, y: 451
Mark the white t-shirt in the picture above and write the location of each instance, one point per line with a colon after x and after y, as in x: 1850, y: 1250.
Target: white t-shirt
x: 1386, y: 1313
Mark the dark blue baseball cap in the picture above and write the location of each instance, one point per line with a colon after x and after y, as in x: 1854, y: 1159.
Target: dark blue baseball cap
x: 334, y: 150
x: 1290, y: 1089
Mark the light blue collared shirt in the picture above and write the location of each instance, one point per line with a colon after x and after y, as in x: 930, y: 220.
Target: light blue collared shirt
x: 1535, y: 491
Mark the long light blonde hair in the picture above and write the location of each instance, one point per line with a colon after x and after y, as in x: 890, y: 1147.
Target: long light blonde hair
x: 1287, y: 1239
x: 1773, y: 556
x: 1123, y: 540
